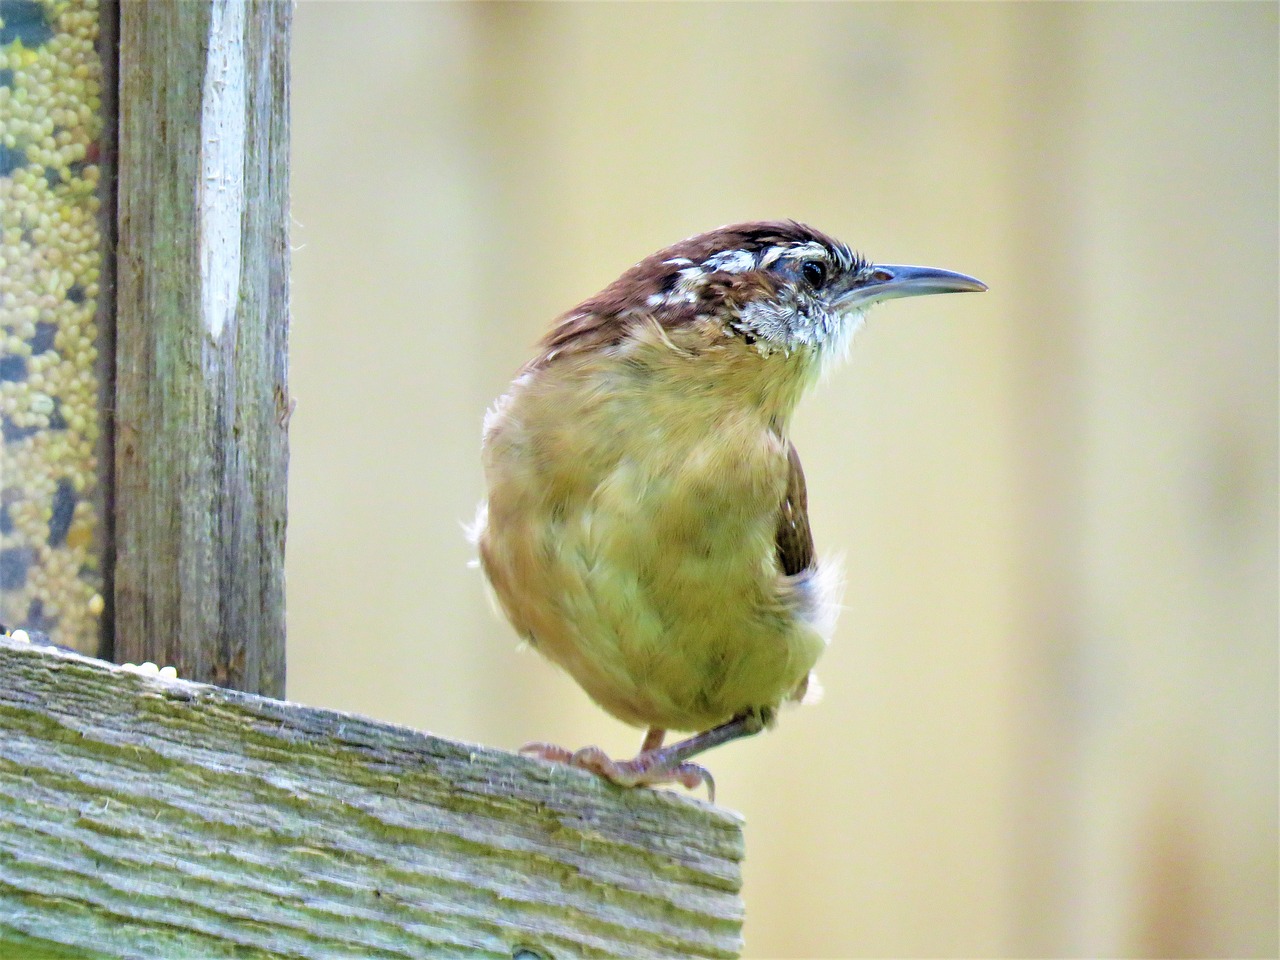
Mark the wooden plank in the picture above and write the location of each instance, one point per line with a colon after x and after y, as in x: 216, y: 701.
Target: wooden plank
x: 201, y: 339
x: 146, y: 817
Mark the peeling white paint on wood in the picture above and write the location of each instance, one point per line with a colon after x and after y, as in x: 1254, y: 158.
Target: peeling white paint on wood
x: 222, y: 138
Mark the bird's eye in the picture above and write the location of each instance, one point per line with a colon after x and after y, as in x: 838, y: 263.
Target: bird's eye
x: 814, y: 272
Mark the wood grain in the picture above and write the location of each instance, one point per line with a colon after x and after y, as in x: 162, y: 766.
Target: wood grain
x: 145, y: 817
x: 201, y: 340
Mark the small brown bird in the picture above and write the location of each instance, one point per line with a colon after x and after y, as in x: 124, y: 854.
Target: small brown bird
x: 646, y: 526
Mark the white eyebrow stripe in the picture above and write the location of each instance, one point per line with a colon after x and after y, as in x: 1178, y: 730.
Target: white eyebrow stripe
x: 731, y: 261
x: 811, y: 250
x: 772, y: 255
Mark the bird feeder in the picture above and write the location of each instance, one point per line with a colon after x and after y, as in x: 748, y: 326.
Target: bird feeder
x: 55, y: 352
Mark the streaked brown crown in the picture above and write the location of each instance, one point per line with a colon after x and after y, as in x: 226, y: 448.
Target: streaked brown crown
x: 660, y: 285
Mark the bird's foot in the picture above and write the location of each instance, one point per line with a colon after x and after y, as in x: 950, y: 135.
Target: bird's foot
x: 649, y: 768
x: 656, y: 764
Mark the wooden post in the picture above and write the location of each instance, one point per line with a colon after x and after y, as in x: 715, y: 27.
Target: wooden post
x: 202, y: 328
x: 145, y: 817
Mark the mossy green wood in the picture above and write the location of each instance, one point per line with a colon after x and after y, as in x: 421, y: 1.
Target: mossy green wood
x: 145, y: 817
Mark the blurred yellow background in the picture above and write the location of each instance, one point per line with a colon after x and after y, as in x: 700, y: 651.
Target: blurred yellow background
x: 1050, y: 723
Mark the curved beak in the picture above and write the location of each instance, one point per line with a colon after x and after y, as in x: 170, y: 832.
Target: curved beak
x: 887, y: 281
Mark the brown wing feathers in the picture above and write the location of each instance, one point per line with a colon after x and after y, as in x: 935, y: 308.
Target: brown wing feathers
x: 794, y: 538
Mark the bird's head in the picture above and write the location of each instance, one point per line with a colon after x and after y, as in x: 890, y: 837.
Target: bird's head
x: 771, y: 289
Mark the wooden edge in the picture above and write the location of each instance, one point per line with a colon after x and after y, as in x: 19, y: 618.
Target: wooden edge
x: 144, y: 816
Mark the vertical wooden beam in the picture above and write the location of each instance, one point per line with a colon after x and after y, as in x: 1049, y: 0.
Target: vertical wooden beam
x: 202, y: 333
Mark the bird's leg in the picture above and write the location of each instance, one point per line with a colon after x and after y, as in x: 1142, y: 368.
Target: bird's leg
x: 653, y: 739
x: 656, y: 764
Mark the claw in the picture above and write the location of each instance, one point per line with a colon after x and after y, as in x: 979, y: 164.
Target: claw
x: 656, y: 764
x: 547, y: 751
x: 692, y: 776
x: 646, y: 770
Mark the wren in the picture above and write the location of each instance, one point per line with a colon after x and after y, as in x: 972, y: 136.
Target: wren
x: 646, y: 524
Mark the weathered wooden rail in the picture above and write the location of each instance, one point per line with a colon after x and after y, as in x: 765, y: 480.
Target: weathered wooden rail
x: 146, y: 817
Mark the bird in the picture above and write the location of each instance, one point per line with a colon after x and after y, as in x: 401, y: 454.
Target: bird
x: 645, y: 525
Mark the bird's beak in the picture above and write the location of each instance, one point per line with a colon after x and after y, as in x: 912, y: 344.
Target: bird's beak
x: 887, y: 281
